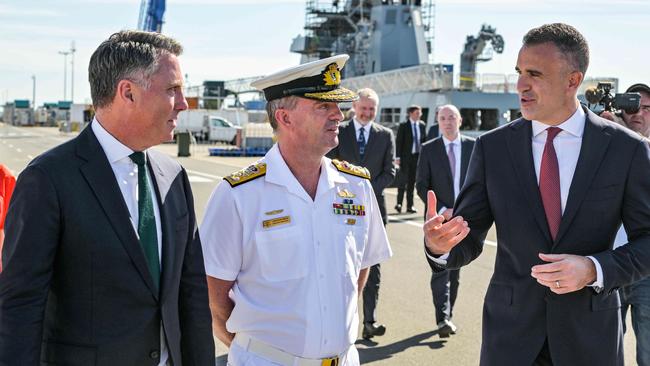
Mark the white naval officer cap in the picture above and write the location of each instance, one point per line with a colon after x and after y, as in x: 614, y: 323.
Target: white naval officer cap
x: 318, y: 80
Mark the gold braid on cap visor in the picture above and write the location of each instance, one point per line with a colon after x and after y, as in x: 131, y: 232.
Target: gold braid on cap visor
x: 336, y: 95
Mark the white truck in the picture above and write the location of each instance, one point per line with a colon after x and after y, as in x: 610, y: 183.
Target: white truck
x: 219, y: 129
x: 206, y: 125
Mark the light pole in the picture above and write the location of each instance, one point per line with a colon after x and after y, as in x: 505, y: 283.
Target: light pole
x: 65, y: 72
x: 34, y: 92
x: 72, y: 51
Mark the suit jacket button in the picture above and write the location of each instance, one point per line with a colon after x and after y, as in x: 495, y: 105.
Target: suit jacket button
x: 154, y: 354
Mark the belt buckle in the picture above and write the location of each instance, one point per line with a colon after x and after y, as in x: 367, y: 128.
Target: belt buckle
x: 334, y: 361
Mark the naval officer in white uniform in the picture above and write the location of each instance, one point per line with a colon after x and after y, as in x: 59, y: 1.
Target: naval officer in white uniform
x: 288, y: 241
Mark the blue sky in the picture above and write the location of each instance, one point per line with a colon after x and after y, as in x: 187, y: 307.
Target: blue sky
x: 227, y: 39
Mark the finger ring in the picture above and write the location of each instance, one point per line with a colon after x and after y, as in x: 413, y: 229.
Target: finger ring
x: 557, y: 284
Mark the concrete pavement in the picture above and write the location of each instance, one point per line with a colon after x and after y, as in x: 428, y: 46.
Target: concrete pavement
x: 405, y: 304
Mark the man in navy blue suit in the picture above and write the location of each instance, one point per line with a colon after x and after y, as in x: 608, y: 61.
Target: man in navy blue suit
x: 557, y: 183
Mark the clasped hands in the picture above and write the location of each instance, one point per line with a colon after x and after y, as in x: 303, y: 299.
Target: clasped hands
x: 562, y: 274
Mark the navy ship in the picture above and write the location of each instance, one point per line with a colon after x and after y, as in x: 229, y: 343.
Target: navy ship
x: 390, y: 43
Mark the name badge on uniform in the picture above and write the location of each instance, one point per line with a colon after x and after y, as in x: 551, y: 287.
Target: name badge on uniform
x: 344, y: 193
x: 276, y: 221
x: 274, y: 212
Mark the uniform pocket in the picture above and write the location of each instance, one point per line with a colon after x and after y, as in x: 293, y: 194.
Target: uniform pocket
x: 282, y: 254
x: 352, y: 238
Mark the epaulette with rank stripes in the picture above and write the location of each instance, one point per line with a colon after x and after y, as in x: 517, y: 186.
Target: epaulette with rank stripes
x: 345, y: 167
x: 247, y: 174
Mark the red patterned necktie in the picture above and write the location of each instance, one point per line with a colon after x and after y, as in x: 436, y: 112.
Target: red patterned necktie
x: 549, y: 183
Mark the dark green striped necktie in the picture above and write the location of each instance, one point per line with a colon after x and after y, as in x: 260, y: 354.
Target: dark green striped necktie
x: 147, y: 220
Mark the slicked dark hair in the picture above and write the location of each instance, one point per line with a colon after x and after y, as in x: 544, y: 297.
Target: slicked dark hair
x: 126, y: 55
x: 413, y: 108
x: 571, y: 44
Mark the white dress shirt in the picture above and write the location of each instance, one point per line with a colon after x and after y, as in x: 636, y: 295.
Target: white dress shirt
x: 457, y: 152
x: 621, y: 237
x: 295, y: 281
x: 567, y: 145
x: 126, y: 174
x: 415, y: 129
x: 357, y: 129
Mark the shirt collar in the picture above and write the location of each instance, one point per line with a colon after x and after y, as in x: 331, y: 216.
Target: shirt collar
x: 412, y: 121
x: 113, y: 148
x: 455, y: 141
x: 575, y: 125
x: 278, y: 172
x: 358, y: 125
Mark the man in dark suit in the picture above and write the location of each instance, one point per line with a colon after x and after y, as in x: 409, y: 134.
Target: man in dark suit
x: 557, y: 183
x: 434, y: 131
x: 102, y: 260
x: 370, y: 145
x: 441, y: 168
x: 410, y: 137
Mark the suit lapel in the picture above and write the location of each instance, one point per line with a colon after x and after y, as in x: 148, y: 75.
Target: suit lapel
x: 521, y: 153
x: 409, y: 136
x: 465, y: 154
x: 351, y: 134
x: 370, y: 142
x: 595, y: 141
x: 99, y: 175
x: 162, y: 185
x: 444, y: 161
x: 423, y: 132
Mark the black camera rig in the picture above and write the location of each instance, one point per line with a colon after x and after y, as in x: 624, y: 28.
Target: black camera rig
x: 601, y: 95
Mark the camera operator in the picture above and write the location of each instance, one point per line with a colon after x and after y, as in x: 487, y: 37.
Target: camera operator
x: 637, y: 295
x: 639, y: 121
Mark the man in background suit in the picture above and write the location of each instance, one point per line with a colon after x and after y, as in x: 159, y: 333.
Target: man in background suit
x: 102, y: 259
x: 557, y: 183
x: 441, y: 168
x: 370, y: 145
x: 636, y: 296
x: 410, y: 137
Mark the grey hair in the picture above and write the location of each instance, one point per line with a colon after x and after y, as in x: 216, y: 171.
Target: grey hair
x: 126, y: 55
x: 289, y: 103
x: 368, y: 93
x: 571, y: 43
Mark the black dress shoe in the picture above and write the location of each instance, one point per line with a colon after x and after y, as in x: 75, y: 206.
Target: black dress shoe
x: 398, y: 208
x: 446, y: 328
x: 371, y: 329
x: 411, y: 210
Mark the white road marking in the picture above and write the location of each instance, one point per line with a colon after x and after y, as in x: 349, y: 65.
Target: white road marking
x: 196, y: 179
x: 216, y: 177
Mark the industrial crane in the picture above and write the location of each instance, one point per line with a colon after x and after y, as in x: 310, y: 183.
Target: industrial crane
x: 476, y: 51
x: 151, y: 15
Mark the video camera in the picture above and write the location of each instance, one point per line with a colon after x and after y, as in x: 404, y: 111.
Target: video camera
x: 628, y: 102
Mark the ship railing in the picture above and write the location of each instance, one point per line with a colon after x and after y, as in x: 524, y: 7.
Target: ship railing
x: 497, y: 83
x: 432, y: 77
x: 414, y: 78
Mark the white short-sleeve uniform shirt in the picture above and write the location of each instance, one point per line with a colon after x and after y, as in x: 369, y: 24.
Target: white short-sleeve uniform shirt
x: 295, y: 261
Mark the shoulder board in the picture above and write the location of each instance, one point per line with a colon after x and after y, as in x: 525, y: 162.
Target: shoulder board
x: 345, y: 167
x: 247, y: 174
